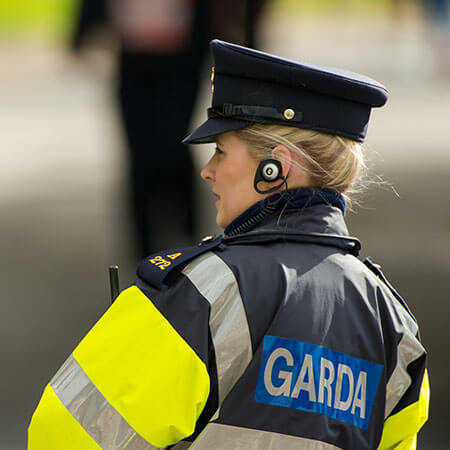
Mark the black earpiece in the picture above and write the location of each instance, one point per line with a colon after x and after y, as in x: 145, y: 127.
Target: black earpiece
x: 269, y: 170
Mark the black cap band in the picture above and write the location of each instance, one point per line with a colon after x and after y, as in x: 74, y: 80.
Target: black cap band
x: 255, y: 113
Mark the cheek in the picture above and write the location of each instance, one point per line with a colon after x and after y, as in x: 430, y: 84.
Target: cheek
x: 241, y: 193
x: 234, y: 182
x: 238, y: 183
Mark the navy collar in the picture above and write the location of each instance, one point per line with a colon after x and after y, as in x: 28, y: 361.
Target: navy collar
x: 291, y: 200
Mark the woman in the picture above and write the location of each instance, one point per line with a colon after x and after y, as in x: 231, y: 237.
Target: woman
x: 274, y: 335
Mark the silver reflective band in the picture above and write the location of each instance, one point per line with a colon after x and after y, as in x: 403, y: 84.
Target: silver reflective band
x: 88, y: 406
x: 182, y: 445
x: 224, y: 437
x: 228, y: 321
x: 409, y: 349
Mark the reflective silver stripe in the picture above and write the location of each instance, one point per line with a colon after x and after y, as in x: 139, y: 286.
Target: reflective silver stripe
x: 224, y: 437
x: 409, y: 349
x: 228, y: 321
x: 88, y: 406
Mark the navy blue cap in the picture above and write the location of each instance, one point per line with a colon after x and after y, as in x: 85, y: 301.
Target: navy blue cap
x: 251, y: 86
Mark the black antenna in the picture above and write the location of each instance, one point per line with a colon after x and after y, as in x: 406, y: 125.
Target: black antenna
x: 114, y: 282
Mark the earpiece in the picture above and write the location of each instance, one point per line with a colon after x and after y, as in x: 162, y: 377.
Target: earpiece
x: 269, y: 170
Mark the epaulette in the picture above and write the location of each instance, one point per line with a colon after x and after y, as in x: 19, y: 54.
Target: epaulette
x: 155, y: 268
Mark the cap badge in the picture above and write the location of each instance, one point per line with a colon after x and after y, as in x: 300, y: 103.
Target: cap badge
x: 289, y: 114
x: 212, y: 80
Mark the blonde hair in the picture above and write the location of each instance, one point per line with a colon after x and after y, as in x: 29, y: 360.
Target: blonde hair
x: 331, y: 161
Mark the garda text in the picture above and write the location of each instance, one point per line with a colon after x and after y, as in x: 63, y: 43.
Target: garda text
x: 312, y: 378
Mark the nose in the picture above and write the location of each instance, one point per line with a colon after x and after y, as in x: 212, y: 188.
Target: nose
x: 207, y: 173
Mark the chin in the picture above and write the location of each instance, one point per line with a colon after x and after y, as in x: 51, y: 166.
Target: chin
x: 221, y: 222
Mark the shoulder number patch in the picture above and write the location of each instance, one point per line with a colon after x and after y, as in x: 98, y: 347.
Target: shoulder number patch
x: 309, y: 377
x: 162, y: 263
x: 155, y: 268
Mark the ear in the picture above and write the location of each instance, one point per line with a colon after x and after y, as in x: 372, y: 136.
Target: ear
x: 283, y: 154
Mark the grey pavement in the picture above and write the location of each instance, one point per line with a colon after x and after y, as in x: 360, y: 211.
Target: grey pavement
x: 63, y: 198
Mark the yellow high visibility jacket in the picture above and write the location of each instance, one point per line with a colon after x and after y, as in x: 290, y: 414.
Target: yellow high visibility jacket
x: 206, y: 353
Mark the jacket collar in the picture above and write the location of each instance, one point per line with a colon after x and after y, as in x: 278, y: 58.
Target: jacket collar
x: 295, y: 209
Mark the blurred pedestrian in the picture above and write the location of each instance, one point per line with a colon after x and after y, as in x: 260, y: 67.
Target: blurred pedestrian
x: 161, y: 51
x: 437, y: 13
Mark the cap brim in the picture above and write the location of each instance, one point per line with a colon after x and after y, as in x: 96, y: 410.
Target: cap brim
x: 212, y: 127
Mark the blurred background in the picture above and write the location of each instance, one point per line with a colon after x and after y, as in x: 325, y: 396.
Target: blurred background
x: 68, y: 209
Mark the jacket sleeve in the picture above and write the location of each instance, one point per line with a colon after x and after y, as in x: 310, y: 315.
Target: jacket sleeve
x: 152, y: 370
x: 407, y: 389
x: 400, y: 429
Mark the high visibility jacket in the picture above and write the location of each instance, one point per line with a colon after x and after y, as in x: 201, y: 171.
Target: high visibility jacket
x: 278, y: 338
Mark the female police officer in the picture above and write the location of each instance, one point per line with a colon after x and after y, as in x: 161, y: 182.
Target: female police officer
x: 274, y: 335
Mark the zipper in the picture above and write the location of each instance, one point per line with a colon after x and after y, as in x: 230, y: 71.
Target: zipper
x: 252, y: 221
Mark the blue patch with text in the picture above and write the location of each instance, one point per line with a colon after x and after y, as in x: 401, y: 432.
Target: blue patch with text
x: 312, y: 378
